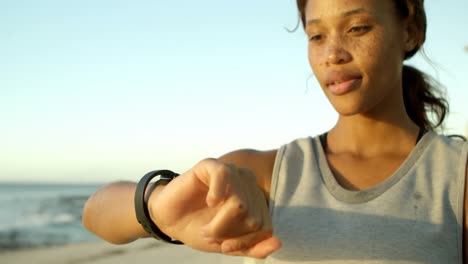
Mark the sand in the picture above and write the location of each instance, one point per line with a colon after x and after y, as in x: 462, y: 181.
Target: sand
x: 143, y: 251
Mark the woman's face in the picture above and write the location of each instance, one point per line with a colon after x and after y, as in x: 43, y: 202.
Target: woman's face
x: 356, y: 50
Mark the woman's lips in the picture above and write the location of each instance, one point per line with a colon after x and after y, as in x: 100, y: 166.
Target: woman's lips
x: 340, y: 88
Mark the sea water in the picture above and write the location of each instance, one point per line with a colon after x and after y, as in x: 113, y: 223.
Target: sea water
x: 33, y: 215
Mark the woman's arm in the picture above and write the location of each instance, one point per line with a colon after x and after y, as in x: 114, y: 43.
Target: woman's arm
x: 184, y: 209
x: 109, y: 213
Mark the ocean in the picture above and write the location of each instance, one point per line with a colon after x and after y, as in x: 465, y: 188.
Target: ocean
x: 37, y: 215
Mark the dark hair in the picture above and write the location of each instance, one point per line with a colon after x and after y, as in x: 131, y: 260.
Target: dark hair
x: 424, y: 101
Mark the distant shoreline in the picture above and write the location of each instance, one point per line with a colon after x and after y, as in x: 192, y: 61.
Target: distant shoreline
x: 54, y: 183
x: 142, y: 251
x: 43, y: 214
x: 27, y: 248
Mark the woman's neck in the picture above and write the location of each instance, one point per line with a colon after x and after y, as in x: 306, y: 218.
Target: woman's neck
x: 366, y: 136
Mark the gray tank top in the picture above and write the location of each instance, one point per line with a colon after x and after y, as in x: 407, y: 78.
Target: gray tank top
x: 414, y: 216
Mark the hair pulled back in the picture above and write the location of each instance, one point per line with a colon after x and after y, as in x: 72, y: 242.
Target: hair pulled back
x: 424, y: 102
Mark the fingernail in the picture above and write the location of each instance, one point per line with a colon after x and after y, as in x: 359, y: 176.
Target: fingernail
x: 211, y: 201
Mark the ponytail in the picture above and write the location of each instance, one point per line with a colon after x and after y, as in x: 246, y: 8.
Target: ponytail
x: 423, y: 99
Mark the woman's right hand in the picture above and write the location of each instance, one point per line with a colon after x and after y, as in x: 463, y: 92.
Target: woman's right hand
x: 216, y: 207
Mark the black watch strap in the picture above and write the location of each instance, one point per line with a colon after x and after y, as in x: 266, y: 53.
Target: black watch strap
x: 141, y: 206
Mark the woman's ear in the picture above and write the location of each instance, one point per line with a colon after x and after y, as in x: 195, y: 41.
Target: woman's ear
x: 411, y: 36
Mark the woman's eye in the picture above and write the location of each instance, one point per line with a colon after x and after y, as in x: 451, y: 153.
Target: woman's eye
x: 315, y: 37
x: 360, y: 29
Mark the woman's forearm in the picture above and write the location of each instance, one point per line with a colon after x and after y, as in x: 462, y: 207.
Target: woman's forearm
x: 109, y: 213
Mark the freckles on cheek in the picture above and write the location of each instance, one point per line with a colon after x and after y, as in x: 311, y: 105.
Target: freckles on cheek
x: 381, y: 45
x: 367, y: 49
x: 316, y: 57
x: 373, y: 51
x: 317, y: 67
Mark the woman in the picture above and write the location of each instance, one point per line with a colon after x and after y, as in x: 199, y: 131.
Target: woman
x: 381, y: 186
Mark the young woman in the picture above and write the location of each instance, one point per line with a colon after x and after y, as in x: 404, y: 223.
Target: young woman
x: 380, y: 187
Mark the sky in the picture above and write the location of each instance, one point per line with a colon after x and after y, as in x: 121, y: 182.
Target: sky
x: 99, y: 91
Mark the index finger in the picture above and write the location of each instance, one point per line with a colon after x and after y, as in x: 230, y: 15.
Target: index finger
x: 217, y: 177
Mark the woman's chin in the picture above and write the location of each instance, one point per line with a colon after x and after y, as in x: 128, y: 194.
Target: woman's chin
x: 348, y: 107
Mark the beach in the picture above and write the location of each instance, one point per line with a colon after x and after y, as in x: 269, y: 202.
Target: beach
x: 41, y: 224
x: 143, y: 251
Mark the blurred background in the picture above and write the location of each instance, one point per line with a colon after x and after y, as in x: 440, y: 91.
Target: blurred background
x: 100, y: 91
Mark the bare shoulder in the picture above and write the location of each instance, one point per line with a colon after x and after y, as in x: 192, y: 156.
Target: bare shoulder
x: 259, y: 162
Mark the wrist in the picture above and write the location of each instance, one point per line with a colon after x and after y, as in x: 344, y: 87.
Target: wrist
x: 141, y: 202
x: 152, y: 195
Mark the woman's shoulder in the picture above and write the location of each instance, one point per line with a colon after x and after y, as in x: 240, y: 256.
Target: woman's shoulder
x: 441, y: 143
x: 262, y: 160
x: 254, y: 160
x: 259, y: 162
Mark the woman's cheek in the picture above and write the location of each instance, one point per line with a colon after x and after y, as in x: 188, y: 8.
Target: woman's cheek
x: 370, y: 53
x: 316, y: 56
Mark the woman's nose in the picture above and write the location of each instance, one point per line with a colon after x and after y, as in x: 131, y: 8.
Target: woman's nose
x: 336, y: 52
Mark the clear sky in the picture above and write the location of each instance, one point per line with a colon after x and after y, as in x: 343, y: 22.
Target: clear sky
x: 96, y: 91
